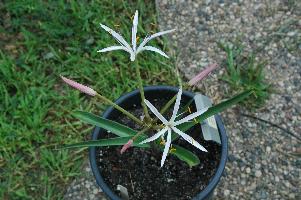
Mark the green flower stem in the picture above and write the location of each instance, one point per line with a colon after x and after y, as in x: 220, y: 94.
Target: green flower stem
x: 140, y: 132
x: 172, y: 100
x: 168, y: 104
x: 141, y: 90
x: 108, y: 101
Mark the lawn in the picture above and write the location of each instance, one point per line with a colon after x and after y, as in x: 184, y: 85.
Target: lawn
x: 40, y: 40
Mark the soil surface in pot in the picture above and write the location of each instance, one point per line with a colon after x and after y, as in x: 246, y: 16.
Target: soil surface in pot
x: 139, y: 169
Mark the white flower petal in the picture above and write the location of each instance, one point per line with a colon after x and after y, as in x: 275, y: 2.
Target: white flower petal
x: 155, y: 111
x: 150, y: 48
x: 113, y: 48
x: 154, y: 137
x: 118, y: 37
x: 189, y: 139
x: 148, y: 38
x: 176, y: 107
x: 133, y: 56
x: 190, y: 117
x: 166, y: 148
x: 134, y: 30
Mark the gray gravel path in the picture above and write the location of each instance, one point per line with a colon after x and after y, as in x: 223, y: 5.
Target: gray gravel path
x: 262, y: 163
x: 84, y: 187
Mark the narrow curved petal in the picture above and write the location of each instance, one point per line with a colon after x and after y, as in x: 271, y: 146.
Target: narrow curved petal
x: 166, y: 148
x: 189, y: 139
x: 154, y: 137
x: 177, y: 105
x: 148, y: 38
x: 134, y: 31
x: 113, y: 48
x: 80, y: 87
x: 117, y: 36
x: 150, y: 48
x: 202, y: 74
x: 155, y: 111
x: 191, y: 116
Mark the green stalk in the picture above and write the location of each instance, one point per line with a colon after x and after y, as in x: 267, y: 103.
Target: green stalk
x: 108, y: 101
x: 141, y: 90
x: 140, y: 132
x: 171, y: 101
x: 168, y: 104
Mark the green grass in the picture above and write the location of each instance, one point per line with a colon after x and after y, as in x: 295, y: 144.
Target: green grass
x: 39, y: 41
x: 243, y: 73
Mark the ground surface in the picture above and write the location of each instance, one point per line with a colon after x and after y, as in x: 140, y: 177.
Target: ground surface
x: 262, y: 162
x: 40, y: 40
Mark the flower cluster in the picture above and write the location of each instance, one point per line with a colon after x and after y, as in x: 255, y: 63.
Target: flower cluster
x: 168, y: 127
x: 171, y: 125
x: 133, y: 50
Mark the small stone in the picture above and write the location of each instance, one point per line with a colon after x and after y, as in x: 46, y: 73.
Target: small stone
x: 257, y: 166
x: 268, y: 149
x: 90, y: 41
x: 258, y: 173
x: 292, y: 33
x: 48, y: 56
x: 170, y: 180
x: 226, y: 192
x: 262, y: 194
x: 248, y: 170
x: 87, y: 185
x: 277, y: 179
x: 95, y: 191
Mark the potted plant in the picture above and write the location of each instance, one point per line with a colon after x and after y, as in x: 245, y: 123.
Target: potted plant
x: 149, y: 143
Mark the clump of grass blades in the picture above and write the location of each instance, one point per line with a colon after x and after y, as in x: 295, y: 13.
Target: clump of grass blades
x: 243, y: 72
x: 41, y: 40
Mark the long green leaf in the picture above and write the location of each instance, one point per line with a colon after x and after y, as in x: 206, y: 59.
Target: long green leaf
x: 216, y: 109
x: 185, y: 155
x: 116, y: 128
x: 124, y: 132
x: 118, y: 141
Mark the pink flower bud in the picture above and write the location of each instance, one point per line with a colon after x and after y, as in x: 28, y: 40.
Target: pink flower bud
x: 80, y: 87
x: 126, y: 146
x: 202, y: 74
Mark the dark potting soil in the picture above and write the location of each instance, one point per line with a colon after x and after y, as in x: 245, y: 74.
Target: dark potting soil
x: 139, y: 169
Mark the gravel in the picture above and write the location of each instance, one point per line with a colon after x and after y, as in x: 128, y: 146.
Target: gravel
x: 262, y: 162
x: 84, y: 187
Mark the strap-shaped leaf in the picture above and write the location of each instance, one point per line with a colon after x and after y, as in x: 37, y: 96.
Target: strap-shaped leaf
x: 115, y: 127
x: 185, y: 155
x: 216, y: 109
x: 118, y: 141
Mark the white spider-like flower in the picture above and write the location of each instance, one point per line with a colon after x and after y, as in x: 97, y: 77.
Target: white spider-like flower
x: 133, y: 50
x: 170, y: 126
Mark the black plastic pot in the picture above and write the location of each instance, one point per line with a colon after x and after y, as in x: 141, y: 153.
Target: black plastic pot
x: 133, y: 97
